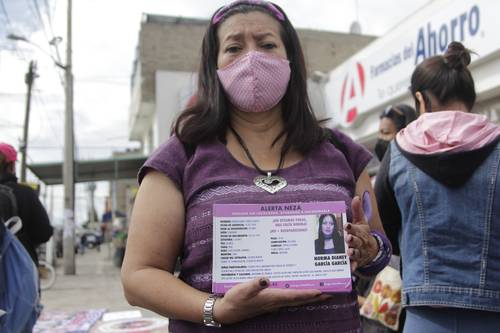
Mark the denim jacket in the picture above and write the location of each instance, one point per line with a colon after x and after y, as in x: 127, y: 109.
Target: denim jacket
x: 450, y: 236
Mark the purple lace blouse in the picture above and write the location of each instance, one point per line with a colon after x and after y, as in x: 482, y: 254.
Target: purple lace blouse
x: 212, y: 175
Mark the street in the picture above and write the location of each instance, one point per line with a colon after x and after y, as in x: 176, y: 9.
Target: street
x: 95, y: 286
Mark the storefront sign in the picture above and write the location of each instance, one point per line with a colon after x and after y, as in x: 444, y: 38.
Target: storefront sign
x: 381, y: 71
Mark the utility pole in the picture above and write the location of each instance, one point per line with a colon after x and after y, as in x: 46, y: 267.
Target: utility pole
x: 91, y: 187
x: 68, y: 165
x: 29, y: 78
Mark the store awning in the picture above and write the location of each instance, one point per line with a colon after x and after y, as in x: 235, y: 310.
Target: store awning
x: 90, y: 171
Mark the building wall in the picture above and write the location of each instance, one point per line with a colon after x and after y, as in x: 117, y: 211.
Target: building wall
x: 168, y: 43
x: 172, y: 45
x: 379, y: 75
x: 173, y: 90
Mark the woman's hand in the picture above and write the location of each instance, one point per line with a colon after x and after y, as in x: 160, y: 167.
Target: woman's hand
x: 252, y: 298
x: 363, y: 247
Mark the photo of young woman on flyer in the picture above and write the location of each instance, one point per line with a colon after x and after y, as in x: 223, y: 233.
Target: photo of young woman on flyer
x: 329, y: 240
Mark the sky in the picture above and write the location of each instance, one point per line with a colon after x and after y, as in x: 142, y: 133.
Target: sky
x: 104, y: 43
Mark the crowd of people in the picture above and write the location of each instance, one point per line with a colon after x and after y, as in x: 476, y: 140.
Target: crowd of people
x: 251, y: 122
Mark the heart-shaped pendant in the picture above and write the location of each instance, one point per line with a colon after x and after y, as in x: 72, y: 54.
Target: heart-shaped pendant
x: 271, y: 184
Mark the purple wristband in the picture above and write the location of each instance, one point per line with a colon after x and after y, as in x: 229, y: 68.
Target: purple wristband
x: 381, y: 260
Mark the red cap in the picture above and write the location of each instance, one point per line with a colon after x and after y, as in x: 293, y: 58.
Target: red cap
x: 8, y: 151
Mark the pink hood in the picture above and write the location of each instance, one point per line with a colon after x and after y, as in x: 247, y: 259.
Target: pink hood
x: 447, y: 131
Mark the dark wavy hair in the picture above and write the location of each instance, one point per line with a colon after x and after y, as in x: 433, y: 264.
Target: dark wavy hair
x: 209, y: 116
x: 321, y: 236
x: 446, y: 77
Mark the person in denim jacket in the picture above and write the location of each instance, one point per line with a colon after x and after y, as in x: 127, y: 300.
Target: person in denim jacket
x: 437, y: 190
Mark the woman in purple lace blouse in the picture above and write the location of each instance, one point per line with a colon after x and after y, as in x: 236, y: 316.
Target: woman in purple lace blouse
x: 249, y: 137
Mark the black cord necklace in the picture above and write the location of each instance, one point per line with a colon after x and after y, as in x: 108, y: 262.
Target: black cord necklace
x: 269, y: 182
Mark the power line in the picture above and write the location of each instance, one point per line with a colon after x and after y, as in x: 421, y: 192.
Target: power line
x: 54, y: 8
x: 44, y: 103
x: 50, y: 41
x: 19, y: 54
x: 54, y: 41
x: 55, y: 61
x: 39, y: 100
x: 4, y: 9
x: 49, y: 17
x: 39, y: 15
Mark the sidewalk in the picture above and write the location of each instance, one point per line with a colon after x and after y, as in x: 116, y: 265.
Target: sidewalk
x: 96, y: 285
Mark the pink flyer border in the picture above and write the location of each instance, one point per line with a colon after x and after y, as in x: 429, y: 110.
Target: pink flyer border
x: 308, y: 208
x: 327, y: 285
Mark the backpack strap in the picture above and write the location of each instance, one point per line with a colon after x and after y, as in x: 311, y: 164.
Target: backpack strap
x: 6, y: 191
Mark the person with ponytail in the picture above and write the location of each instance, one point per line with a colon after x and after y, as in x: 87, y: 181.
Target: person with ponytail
x: 438, y: 191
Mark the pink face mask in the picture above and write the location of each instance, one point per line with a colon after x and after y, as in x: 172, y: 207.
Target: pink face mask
x: 255, y: 82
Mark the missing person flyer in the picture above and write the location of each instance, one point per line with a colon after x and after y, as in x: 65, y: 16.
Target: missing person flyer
x: 295, y: 245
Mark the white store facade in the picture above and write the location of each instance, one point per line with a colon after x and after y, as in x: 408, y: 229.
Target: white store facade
x: 354, y: 92
x: 379, y: 75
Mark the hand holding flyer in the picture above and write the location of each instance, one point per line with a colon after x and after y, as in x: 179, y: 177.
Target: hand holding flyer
x: 295, y: 245
x: 255, y: 297
x: 362, y: 245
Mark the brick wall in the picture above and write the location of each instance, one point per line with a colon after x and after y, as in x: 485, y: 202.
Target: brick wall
x: 170, y: 43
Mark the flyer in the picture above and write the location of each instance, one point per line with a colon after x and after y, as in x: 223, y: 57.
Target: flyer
x: 295, y: 245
